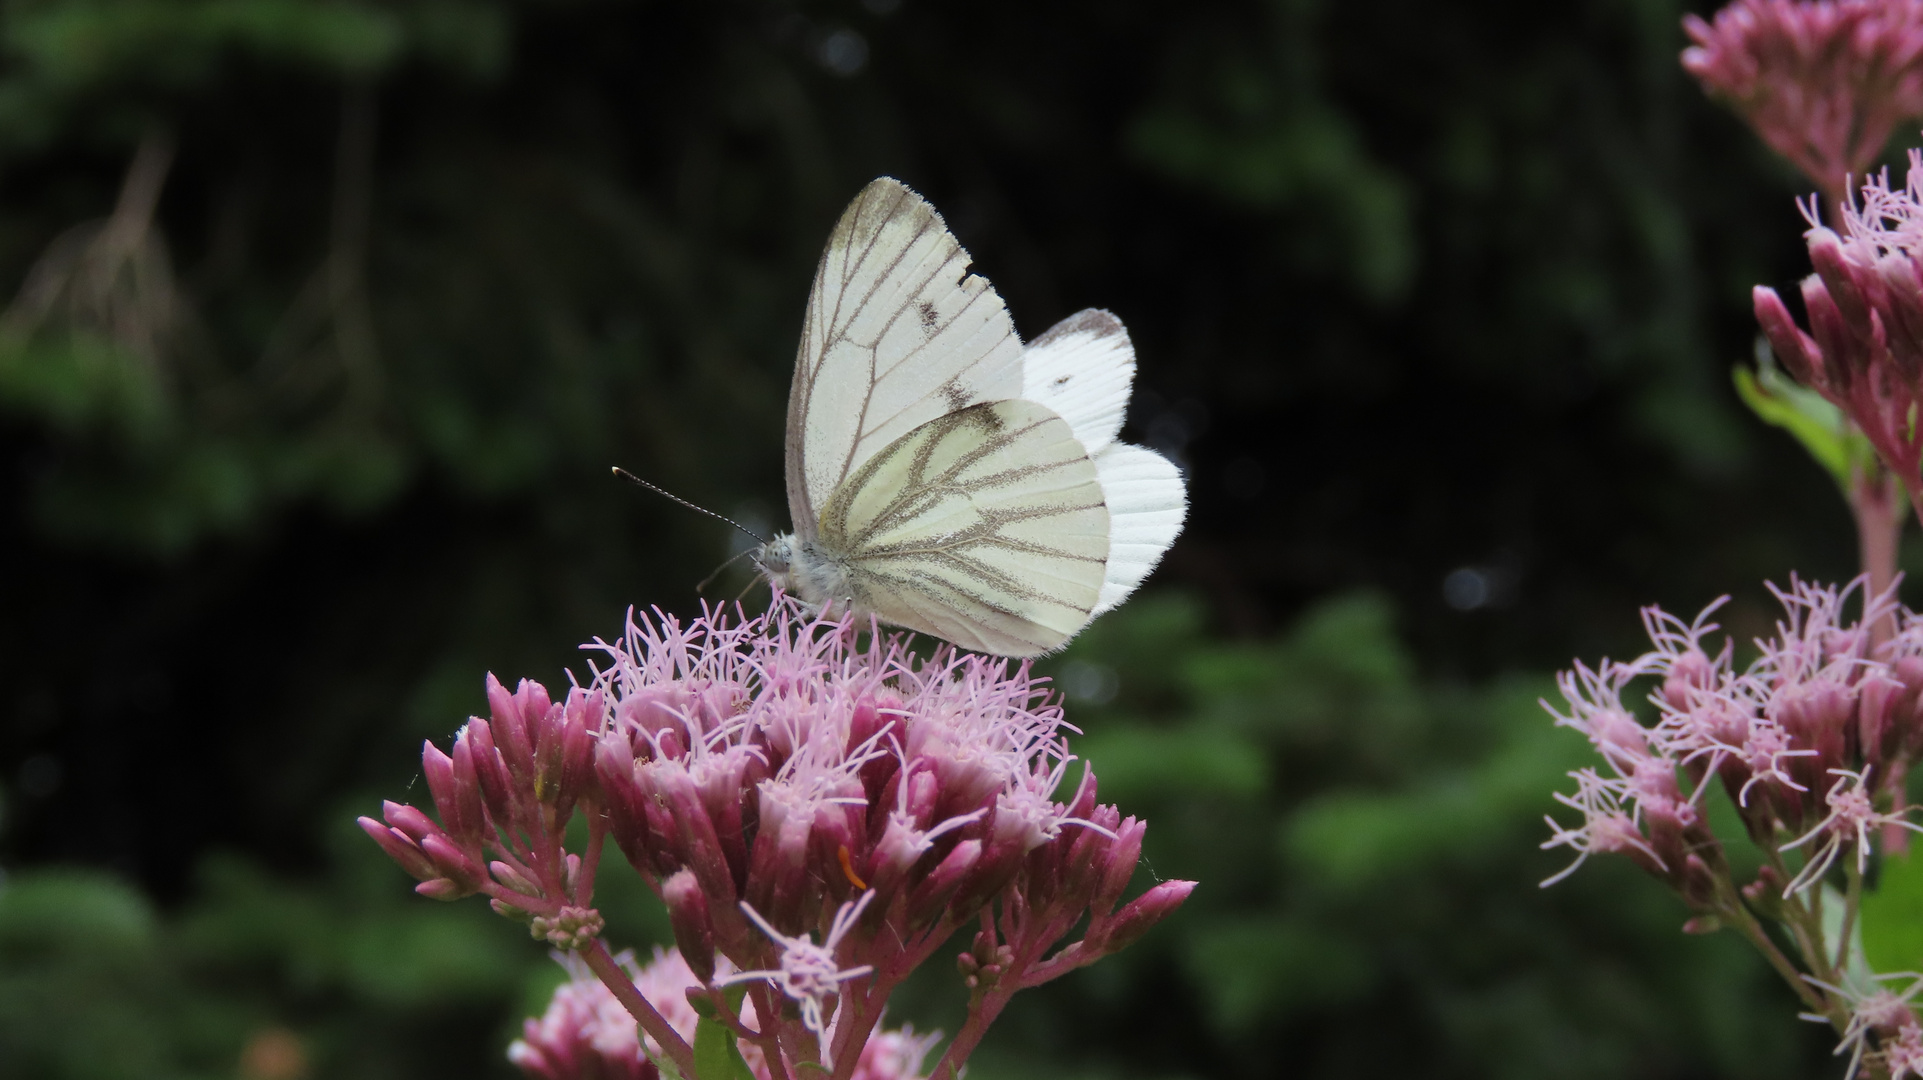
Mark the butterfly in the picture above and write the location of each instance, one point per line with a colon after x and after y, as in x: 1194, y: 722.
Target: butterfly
x: 942, y: 476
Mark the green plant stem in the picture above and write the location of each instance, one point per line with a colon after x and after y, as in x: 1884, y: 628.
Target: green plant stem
x: 1752, y: 928
x: 1851, y: 899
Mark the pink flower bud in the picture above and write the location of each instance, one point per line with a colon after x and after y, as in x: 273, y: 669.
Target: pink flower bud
x: 497, y: 786
x: 1835, y: 343
x: 457, y: 794
x: 409, y: 820
x: 444, y: 889
x: 1799, y: 353
x: 452, y: 862
x: 696, y: 842
x: 400, y: 848
x: 1123, y: 856
x: 510, y: 727
x: 1143, y: 912
x: 688, y: 916
x: 1902, y: 311
x: 513, y: 879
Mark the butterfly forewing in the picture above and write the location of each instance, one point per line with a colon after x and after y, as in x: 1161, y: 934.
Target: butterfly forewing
x: 896, y: 334
x: 985, y: 526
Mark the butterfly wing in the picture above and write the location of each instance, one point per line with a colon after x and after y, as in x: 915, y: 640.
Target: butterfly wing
x: 1147, y: 503
x: 896, y: 334
x: 985, y: 526
x: 1083, y: 368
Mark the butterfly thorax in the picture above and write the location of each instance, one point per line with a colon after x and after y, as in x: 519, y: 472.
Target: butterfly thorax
x: 805, y: 569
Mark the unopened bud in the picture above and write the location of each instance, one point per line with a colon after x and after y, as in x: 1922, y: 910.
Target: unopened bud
x: 688, y: 917
x: 573, y: 928
x: 1143, y: 912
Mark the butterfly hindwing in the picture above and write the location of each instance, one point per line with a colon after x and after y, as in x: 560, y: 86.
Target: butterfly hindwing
x: 1083, y: 368
x: 985, y: 526
x: 897, y: 333
x: 1147, y: 502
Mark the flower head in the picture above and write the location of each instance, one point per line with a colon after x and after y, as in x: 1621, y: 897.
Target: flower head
x: 1824, y: 83
x: 778, y: 781
x: 1795, y: 738
x: 1864, y: 348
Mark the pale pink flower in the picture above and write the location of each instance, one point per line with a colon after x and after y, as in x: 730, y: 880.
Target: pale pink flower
x: 586, y: 1034
x: 1605, y: 826
x: 1904, y: 1054
x: 1880, y: 1011
x: 1824, y: 84
x: 808, y: 973
x: 1852, y: 819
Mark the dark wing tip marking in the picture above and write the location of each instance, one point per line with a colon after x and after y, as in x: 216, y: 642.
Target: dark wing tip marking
x: 1092, y: 321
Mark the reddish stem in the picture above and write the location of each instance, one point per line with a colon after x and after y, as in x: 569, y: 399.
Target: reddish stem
x: 1896, y: 838
x: 652, y: 1022
x: 1874, y: 500
x: 766, y: 1007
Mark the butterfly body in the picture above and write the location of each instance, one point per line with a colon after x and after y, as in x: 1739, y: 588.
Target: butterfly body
x: 942, y: 477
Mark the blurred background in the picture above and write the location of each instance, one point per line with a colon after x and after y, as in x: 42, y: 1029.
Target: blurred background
x: 325, y: 319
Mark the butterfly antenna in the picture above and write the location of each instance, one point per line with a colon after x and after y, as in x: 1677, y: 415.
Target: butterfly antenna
x: 702, y: 588
x: 626, y: 475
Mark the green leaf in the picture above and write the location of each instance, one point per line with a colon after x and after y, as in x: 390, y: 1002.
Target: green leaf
x: 1804, y: 413
x: 1892, y: 917
x: 1856, y: 966
x: 717, y: 1054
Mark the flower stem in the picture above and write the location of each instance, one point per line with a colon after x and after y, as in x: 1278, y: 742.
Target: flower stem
x: 652, y: 1022
x: 981, y: 1013
x: 1759, y: 937
x: 1875, y: 503
x: 1851, y: 899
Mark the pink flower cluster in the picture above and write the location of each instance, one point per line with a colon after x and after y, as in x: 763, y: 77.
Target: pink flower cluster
x: 1810, y: 742
x: 1864, y: 351
x: 1824, y: 83
x: 818, y: 809
x: 586, y: 1033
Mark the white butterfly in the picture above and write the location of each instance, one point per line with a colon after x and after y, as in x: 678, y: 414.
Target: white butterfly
x: 940, y: 476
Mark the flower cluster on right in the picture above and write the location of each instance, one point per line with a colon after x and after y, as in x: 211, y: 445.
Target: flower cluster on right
x: 1810, y: 743
x: 1802, y: 752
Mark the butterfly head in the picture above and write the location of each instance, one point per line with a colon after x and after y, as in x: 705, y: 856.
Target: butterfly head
x: 776, y: 559
x: 801, y: 568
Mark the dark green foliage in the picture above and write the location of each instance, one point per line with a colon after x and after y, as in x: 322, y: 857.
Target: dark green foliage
x: 95, y: 984
x: 328, y: 317
x: 1365, y: 843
